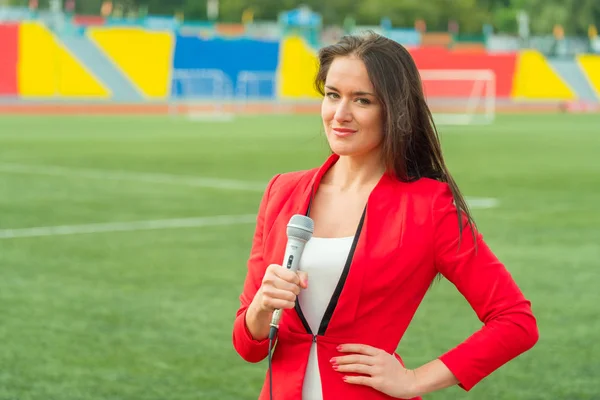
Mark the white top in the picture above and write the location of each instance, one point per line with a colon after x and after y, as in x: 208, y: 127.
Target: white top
x: 323, y: 259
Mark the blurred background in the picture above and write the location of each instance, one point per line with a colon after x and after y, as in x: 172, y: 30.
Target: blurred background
x: 137, y: 137
x: 546, y: 52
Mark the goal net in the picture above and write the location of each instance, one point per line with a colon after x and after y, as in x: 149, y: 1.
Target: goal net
x: 460, y: 97
x: 257, y: 91
x: 205, y: 94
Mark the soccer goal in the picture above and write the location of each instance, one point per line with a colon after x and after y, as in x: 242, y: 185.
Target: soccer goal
x: 257, y: 92
x: 460, y: 97
x: 202, y: 94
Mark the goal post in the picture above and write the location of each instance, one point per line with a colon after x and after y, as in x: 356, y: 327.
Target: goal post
x: 460, y: 97
x: 256, y: 85
x: 205, y: 94
x: 258, y: 91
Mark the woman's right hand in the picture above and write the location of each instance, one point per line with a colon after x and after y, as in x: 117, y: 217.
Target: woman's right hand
x: 279, y: 288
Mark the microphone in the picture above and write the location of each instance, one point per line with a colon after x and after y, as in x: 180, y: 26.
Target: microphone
x: 299, y: 231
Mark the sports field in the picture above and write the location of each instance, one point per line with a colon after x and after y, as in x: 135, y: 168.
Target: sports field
x: 123, y: 243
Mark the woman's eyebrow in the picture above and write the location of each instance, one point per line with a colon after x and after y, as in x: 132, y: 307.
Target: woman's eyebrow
x: 357, y: 93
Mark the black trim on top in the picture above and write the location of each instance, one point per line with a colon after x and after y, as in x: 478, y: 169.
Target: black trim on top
x: 302, y: 317
x: 338, y: 290
x: 312, y: 194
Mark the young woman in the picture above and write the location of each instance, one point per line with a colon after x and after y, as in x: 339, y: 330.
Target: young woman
x: 388, y: 219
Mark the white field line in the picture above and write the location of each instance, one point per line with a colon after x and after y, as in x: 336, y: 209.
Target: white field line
x: 127, y: 226
x: 187, y: 180
x: 213, y: 183
x: 481, y: 202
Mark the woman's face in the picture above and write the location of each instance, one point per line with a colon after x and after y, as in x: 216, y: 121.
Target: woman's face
x: 352, y: 115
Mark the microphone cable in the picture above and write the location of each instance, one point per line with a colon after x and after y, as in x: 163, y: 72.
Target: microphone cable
x: 272, y: 333
x: 270, y: 371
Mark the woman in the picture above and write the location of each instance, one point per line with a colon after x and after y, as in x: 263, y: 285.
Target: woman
x: 388, y: 218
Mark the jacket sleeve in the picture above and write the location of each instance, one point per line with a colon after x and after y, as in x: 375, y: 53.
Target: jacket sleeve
x: 509, y: 326
x: 248, y: 348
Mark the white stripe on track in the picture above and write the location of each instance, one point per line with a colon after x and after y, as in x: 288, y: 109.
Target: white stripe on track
x: 127, y: 226
x: 133, y: 176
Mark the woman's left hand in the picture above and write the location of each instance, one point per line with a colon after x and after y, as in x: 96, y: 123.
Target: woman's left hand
x: 380, y: 370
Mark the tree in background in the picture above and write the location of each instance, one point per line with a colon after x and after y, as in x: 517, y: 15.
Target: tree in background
x: 575, y: 16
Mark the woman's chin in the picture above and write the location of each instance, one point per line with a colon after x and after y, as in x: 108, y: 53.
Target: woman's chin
x: 348, y: 150
x: 342, y: 150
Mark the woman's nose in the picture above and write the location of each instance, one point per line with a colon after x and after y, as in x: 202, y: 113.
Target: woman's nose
x: 342, y: 112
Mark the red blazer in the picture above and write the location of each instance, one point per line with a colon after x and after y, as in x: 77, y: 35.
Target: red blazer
x: 408, y: 234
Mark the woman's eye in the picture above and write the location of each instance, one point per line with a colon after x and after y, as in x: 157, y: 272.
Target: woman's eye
x: 332, y: 95
x: 363, y: 101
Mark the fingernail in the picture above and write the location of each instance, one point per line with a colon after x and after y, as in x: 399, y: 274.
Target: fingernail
x: 339, y: 348
x: 332, y: 360
x: 335, y: 367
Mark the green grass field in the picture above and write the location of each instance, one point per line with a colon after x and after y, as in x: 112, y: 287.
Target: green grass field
x: 145, y: 310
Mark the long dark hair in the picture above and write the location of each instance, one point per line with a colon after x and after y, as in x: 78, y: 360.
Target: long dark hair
x: 411, y: 147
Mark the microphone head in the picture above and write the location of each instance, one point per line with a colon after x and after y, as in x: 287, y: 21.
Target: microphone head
x: 300, y: 227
